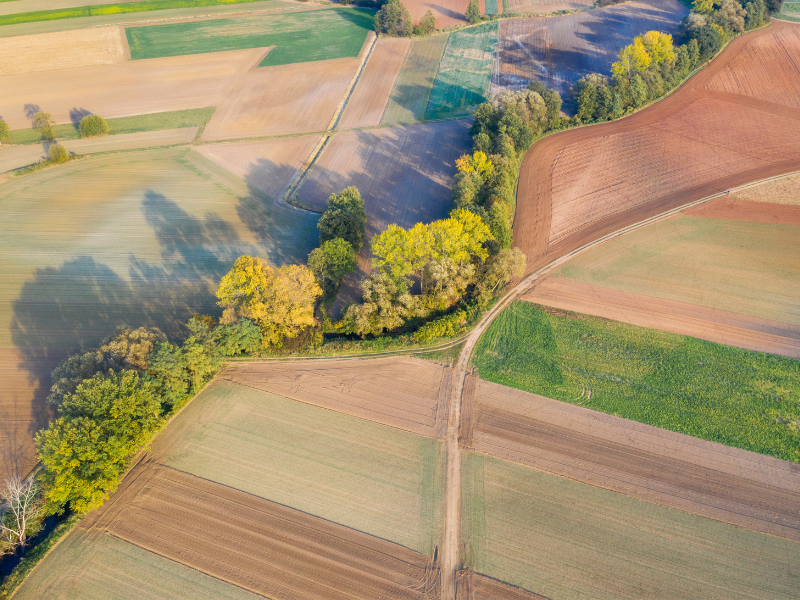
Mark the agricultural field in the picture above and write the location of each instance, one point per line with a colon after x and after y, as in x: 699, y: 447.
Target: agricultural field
x: 140, y: 238
x: 782, y: 190
x: 718, y: 393
x: 569, y: 196
x: 368, y: 101
x: 345, y: 30
x: 790, y: 11
x: 558, y: 51
x: 735, y: 209
x: 703, y: 478
x: 372, y: 478
x: 413, y: 85
x: 473, y: 586
x: 563, y: 539
x: 545, y: 7
x: 446, y: 12
x: 465, y: 71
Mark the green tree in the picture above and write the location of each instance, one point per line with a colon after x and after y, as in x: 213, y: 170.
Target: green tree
x: 58, y: 154
x: 428, y: 23
x: 587, y: 102
x: 44, y: 123
x: 394, y: 19
x: 473, y: 13
x: 333, y: 261
x: 638, y: 91
x: 755, y: 17
x: 243, y: 336
x: 344, y: 218
x: 93, y: 126
x: 169, y: 374
x: 5, y: 132
x: 498, y: 270
x: 385, y: 306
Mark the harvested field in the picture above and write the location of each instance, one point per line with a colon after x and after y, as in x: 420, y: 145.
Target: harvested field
x: 747, y: 210
x: 373, y: 478
x: 296, y: 38
x: 371, y: 95
x: 578, y: 185
x: 784, y: 190
x: 721, y: 327
x: 44, y: 52
x: 472, y: 586
x: 21, y: 6
x: 735, y: 266
x: 140, y: 238
x: 718, y: 393
x: 268, y: 165
x: 750, y: 490
x: 417, y: 402
x: 545, y: 7
x: 413, y: 85
x: 282, y: 100
x: 446, y: 12
x: 560, y: 50
x: 465, y: 71
x: 564, y: 539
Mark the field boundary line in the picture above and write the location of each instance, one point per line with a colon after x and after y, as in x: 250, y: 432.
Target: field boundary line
x: 337, y: 115
x: 302, y: 174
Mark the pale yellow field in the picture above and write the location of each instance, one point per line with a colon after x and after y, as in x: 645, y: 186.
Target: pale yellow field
x: 785, y: 190
x: 62, y: 49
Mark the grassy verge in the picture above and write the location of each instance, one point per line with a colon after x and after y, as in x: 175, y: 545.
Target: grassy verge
x: 718, y: 393
x: 196, y: 117
x: 111, y: 9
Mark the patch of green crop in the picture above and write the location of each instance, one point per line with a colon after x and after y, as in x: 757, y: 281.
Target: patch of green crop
x: 465, y: 71
x: 491, y: 7
x: 728, y: 395
x: 297, y: 37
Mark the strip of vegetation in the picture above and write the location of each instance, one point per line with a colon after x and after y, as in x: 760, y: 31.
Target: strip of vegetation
x: 728, y: 395
x: 196, y: 117
x: 111, y: 9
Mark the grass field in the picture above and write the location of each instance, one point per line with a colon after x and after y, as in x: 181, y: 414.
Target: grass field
x: 567, y: 540
x: 465, y: 71
x: 790, y: 11
x: 718, y: 393
x: 197, y: 117
x: 102, y: 567
x: 373, y: 478
x: 412, y: 88
x: 317, y: 35
x: 738, y: 266
x: 492, y: 7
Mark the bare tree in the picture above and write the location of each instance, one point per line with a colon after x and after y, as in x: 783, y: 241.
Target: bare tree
x: 21, y: 512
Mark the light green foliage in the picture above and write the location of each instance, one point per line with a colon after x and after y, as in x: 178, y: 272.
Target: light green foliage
x: 385, y: 305
x: 393, y: 18
x: 446, y: 326
x: 718, y: 393
x: 428, y: 23
x: 298, y: 37
x: 464, y: 72
x: 333, y: 261
x: 497, y: 271
x: 57, y: 154
x: 588, y: 542
x: 344, y: 218
x: 5, y: 132
x: 473, y: 13
x: 43, y: 122
x: 93, y: 126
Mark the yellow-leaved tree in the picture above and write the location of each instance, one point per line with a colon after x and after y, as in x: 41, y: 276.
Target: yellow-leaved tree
x: 477, y: 163
x: 659, y: 46
x: 280, y: 301
x: 632, y: 59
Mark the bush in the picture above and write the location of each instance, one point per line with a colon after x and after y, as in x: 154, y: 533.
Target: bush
x: 5, y: 133
x: 58, y: 154
x: 43, y: 122
x: 93, y: 126
x: 446, y: 326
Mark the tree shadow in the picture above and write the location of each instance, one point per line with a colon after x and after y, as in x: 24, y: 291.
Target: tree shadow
x: 31, y: 110
x: 76, y: 114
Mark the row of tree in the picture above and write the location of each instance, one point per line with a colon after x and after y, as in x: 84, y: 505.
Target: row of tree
x: 393, y: 18
x: 651, y: 66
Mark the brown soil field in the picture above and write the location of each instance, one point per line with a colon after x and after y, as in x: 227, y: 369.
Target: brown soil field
x: 404, y: 174
x: 722, y: 327
x: 446, y: 12
x: 784, y: 190
x: 750, y: 490
x: 545, y: 7
x: 268, y: 165
x: 560, y: 50
x: 371, y: 95
x: 576, y: 186
x: 261, y: 546
x: 44, y: 52
x: 474, y: 586
x: 747, y: 210
x: 418, y: 402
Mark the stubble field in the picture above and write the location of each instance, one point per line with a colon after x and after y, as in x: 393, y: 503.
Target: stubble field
x: 545, y: 6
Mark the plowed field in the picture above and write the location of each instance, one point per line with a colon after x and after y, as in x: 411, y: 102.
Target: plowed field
x: 371, y: 95
x: 560, y: 50
x: 545, y: 6
x: 472, y: 586
x: 747, y: 210
x: 563, y: 539
x: 446, y: 12
x: 578, y: 185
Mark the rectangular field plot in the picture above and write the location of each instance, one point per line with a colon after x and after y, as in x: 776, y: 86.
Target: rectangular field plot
x: 413, y: 85
x: 736, y: 397
x: 783, y: 190
x: 93, y: 566
x: 465, y: 71
x: 544, y: 7
x: 310, y: 36
x: 370, y: 477
x: 564, y: 539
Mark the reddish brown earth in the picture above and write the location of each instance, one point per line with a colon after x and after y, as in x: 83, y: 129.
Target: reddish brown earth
x: 473, y: 586
x: 722, y: 327
x: 747, y: 210
x: 579, y: 185
x: 743, y: 488
x: 446, y: 12
x: 263, y: 547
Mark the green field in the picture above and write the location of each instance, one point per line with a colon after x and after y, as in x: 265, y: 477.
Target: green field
x: 722, y: 394
x: 102, y: 567
x: 570, y: 541
x: 790, y: 11
x: 738, y: 266
x: 302, y: 37
x: 195, y: 117
x: 492, y: 7
x: 373, y: 478
x: 413, y: 85
x: 464, y: 72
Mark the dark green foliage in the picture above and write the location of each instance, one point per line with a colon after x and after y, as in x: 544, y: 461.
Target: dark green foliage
x: 57, y: 154
x: 93, y: 126
x: 394, y: 19
x: 332, y: 262
x: 773, y: 6
x: 473, y: 13
x: 344, y: 218
x: 427, y: 24
x: 722, y: 394
x: 240, y: 338
x: 709, y: 42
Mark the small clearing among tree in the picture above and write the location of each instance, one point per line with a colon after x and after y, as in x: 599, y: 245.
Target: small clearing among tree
x: 93, y: 126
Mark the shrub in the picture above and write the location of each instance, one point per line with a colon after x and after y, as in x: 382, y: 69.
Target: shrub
x: 93, y: 126
x: 5, y: 133
x: 446, y: 326
x: 44, y: 123
x: 58, y: 154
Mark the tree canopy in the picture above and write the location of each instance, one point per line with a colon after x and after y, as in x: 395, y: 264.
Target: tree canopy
x: 332, y: 261
x: 344, y: 218
x: 393, y: 18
